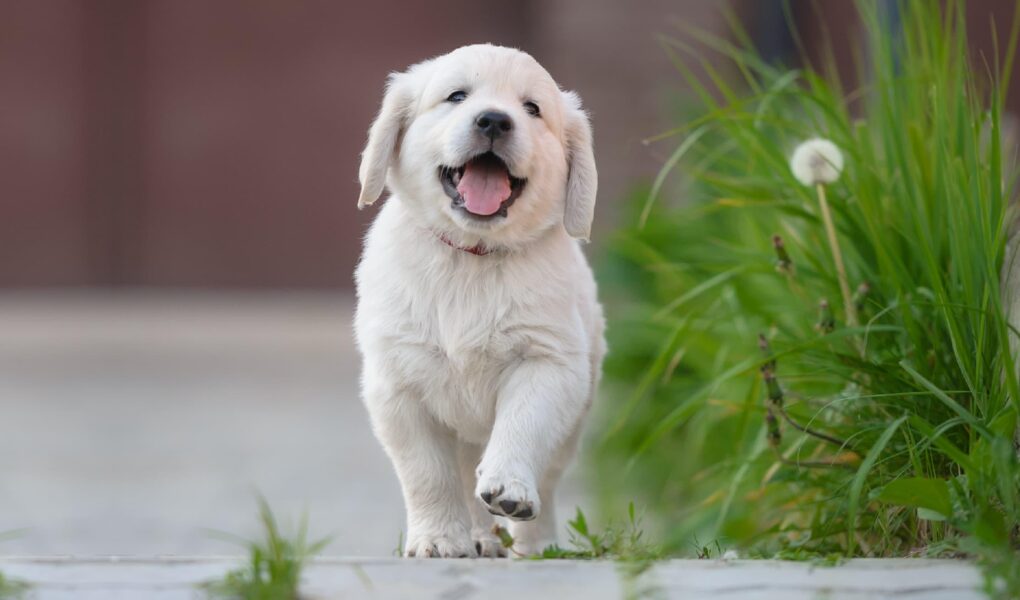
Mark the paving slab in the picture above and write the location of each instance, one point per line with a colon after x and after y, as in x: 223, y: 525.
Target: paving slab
x: 117, y: 578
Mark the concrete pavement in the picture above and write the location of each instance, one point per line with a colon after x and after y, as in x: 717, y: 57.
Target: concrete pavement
x: 502, y: 579
x: 133, y: 422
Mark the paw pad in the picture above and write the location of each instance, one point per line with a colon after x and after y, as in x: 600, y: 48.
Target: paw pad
x: 518, y: 509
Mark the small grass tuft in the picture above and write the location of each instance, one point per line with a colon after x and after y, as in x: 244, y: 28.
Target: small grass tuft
x: 622, y: 542
x: 273, y: 570
x: 399, y: 550
x: 13, y: 589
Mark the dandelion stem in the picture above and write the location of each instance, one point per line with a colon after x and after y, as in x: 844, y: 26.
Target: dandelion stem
x: 837, y: 257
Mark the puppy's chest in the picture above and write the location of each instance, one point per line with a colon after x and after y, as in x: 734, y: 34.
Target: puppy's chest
x: 470, y: 327
x: 460, y: 361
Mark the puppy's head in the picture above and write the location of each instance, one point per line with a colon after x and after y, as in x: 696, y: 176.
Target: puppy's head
x: 483, y: 145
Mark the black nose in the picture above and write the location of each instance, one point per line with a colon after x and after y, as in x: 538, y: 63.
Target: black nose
x: 493, y: 124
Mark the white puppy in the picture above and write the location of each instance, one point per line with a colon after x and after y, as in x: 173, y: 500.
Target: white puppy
x: 477, y: 318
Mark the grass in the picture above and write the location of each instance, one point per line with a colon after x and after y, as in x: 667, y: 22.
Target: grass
x: 749, y: 400
x: 12, y: 589
x: 273, y: 569
x: 623, y: 542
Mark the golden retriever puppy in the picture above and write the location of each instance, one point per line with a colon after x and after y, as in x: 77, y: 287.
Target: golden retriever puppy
x: 477, y: 320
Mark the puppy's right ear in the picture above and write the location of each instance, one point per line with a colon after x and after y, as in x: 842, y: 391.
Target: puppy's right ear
x: 384, y: 138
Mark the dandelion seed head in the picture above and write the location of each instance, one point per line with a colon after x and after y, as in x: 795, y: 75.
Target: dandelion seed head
x: 816, y: 161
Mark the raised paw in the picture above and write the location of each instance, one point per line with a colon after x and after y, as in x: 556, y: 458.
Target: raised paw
x: 425, y: 546
x: 508, y: 497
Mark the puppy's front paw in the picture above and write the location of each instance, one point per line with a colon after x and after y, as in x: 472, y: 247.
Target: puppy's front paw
x: 507, y: 495
x: 439, y: 546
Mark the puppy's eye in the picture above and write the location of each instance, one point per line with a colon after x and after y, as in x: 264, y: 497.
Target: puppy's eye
x: 457, y: 97
x: 531, y: 108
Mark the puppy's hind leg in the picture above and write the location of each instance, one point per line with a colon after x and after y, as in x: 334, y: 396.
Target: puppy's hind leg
x: 424, y: 454
x: 487, y: 543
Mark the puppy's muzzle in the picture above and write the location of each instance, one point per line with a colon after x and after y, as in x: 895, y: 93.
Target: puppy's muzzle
x: 494, y: 124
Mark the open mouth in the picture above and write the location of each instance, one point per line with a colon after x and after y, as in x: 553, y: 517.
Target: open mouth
x: 482, y: 187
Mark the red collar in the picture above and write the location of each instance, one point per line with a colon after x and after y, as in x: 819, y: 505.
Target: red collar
x: 477, y: 249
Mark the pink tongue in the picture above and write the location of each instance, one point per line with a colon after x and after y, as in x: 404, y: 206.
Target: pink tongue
x: 484, y: 186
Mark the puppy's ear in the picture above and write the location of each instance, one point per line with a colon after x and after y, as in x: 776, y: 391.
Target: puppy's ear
x: 384, y: 138
x: 582, y: 178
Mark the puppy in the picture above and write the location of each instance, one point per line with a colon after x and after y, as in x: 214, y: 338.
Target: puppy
x: 477, y: 320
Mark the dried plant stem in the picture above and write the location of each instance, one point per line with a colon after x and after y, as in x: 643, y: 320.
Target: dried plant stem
x: 775, y: 402
x: 811, y: 432
x: 809, y: 464
x: 837, y: 257
x: 775, y: 397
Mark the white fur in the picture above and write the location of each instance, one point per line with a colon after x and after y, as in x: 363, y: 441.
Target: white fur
x: 478, y: 370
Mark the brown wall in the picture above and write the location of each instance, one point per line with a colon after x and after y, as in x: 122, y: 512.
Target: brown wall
x: 216, y: 142
x: 45, y: 217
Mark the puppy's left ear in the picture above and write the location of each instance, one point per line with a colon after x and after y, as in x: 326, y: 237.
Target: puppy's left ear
x: 582, y: 178
x: 384, y: 138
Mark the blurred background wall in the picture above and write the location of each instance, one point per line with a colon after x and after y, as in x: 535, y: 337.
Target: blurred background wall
x: 215, y: 143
